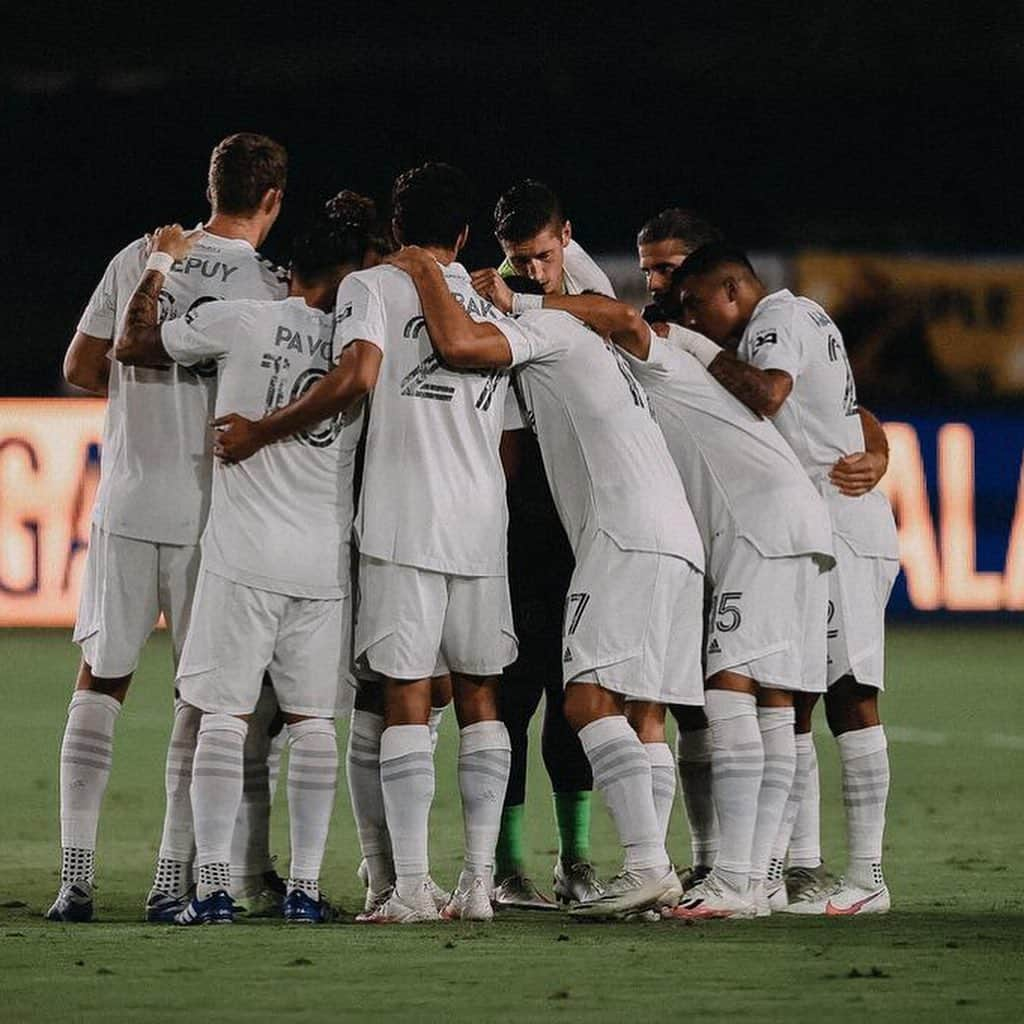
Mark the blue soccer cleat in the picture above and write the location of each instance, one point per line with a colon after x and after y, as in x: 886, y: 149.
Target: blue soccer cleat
x: 73, y: 904
x: 217, y: 908
x: 162, y: 908
x: 300, y: 908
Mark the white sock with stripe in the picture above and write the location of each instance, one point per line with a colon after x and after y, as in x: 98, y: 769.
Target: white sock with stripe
x: 693, y: 760
x: 864, y: 762
x: 663, y: 782
x: 177, y: 842
x: 362, y: 761
x: 485, y: 757
x: 779, y: 741
x: 312, y: 785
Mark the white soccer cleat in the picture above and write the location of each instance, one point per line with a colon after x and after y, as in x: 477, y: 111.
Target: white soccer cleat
x: 396, y: 910
x: 437, y: 894
x: 759, y: 897
x: 631, y: 891
x: 847, y: 900
x: 778, y: 900
x: 472, y: 904
x: 807, y: 890
x: 713, y: 899
x: 575, y: 882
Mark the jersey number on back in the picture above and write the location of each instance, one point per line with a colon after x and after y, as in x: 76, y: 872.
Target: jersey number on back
x: 324, y: 435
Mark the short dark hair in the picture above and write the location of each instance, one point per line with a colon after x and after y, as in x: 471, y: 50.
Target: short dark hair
x: 688, y: 227
x: 711, y: 257
x: 432, y: 204
x: 242, y: 168
x: 340, y: 234
x: 525, y: 210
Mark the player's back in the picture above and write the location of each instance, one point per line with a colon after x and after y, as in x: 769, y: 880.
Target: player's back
x: 433, y: 490
x: 741, y: 476
x: 155, y: 472
x: 605, y: 457
x: 820, y: 419
x: 282, y: 519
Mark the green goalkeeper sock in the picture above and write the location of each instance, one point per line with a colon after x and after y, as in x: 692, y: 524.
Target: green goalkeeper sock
x: 508, y: 855
x: 572, y: 812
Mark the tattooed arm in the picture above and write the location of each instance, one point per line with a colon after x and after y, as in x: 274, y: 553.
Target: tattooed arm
x: 763, y: 391
x: 139, y: 342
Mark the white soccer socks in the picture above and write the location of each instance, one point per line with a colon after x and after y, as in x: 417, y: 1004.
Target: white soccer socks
x: 737, y: 767
x: 177, y: 843
x: 779, y: 742
x: 364, y: 788
x: 312, y: 785
x: 434, y: 725
x: 622, y: 773
x: 864, y: 763
x: 804, y: 842
x: 485, y: 757
x: 407, y: 784
x: 85, y: 756
x: 663, y: 782
x: 693, y: 760
x: 216, y: 795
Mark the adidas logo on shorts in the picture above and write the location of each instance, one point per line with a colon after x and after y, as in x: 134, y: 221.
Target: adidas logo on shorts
x: 567, y: 656
x: 713, y: 647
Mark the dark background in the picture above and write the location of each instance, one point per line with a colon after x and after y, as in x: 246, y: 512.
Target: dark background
x: 856, y: 125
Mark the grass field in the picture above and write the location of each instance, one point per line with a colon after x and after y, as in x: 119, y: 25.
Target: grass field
x: 952, y: 948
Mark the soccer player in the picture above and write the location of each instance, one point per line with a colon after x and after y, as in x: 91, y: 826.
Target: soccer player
x: 791, y: 365
x: 431, y: 534
x: 632, y: 623
x: 663, y: 242
x: 273, y: 591
x: 768, y: 540
x: 150, y: 509
x: 536, y: 236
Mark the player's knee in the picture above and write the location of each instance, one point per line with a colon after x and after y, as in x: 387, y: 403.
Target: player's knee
x: 114, y: 686
x: 407, y: 702
x: 850, y: 706
x: 441, y: 691
x: 803, y: 706
x: 476, y: 699
x: 647, y: 720
x: 586, y: 702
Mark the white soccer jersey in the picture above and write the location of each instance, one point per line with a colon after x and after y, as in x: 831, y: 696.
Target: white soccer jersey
x: 281, y: 520
x: 150, y: 488
x: 581, y: 274
x: 741, y: 477
x: 433, y: 491
x: 605, y: 458
x: 820, y: 418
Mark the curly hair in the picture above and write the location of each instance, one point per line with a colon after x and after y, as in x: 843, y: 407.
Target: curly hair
x: 341, y: 233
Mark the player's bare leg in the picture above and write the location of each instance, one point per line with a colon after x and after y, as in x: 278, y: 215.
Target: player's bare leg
x: 622, y: 772
x: 85, y: 759
x: 693, y: 763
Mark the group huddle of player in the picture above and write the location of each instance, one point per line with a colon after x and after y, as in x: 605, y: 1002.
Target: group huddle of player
x: 426, y: 486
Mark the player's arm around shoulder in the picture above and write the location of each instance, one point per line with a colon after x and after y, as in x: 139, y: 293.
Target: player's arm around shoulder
x: 139, y: 342
x: 608, y: 317
x: 459, y: 340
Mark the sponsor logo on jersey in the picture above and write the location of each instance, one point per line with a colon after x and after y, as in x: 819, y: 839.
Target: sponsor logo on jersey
x: 417, y: 384
x: 414, y: 328
x: 764, y: 338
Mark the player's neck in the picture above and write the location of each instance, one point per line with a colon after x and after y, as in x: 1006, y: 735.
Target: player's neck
x: 227, y: 225
x: 316, y: 296
x: 443, y: 255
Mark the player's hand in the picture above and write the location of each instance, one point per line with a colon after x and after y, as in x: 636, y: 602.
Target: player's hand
x: 174, y: 240
x: 491, y: 285
x: 412, y: 259
x: 858, y: 473
x: 236, y: 438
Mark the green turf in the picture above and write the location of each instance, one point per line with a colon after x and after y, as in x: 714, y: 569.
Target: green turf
x: 953, y: 947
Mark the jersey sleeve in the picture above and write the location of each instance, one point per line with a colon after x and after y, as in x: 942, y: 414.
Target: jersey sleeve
x: 359, y: 314
x: 99, y: 318
x: 657, y: 363
x: 205, y: 332
x: 773, y: 345
x: 530, y: 342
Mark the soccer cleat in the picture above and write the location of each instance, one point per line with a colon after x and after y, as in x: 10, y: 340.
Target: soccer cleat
x: 472, y: 904
x: 843, y: 899
x: 301, y: 908
x: 395, y: 910
x: 575, y: 881
x: 437, y: 894
x: 629, y: 892
x: 375, y: 900
x: 260, y: 895
x: 163, y: 908
x: 807, y: 889
x: 775, y: 892
x: 217, y: 908
x: 759, y: 897
x: 517, y: 892
x: 689, y: 877
x: 73, y: 904
x: 712, y: 899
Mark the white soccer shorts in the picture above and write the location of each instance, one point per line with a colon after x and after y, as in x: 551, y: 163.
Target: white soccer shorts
x: 239, y: 632
x: 414, y: 623
x: 633, y: 624
x: 859, y: 589
x: 767, y: 618
x: 126, y: 586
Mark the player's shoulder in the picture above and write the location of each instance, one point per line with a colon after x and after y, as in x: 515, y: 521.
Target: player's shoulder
x: 583, y: 273
x: 132, y: 257
x: 384, y: 280
x: 273, y: 273
x: 773, y: 320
